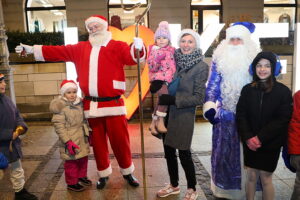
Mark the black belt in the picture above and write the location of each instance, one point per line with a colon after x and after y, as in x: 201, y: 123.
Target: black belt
x: 101, y: 99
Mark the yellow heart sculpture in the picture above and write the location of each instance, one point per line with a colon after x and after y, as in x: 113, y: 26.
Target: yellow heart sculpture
x: 127, y: 35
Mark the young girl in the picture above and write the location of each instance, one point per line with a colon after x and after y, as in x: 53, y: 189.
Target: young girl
x: 161, y: 70
x: 73, y: 132
x: 263, y: 113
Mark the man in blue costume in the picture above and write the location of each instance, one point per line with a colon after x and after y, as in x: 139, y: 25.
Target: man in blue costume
x: 229, y: 73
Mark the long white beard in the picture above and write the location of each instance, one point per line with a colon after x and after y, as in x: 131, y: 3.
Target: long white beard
x: 98, y: 38
x: 233, y: 64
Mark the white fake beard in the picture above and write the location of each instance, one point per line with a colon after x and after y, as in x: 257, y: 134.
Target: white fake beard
x: 98, y: 38
x: 233, y: 64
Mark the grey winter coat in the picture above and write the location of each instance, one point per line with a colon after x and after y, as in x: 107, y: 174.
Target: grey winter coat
x: 10, y: 118
x: 70, y: 124
x: 190, y: 93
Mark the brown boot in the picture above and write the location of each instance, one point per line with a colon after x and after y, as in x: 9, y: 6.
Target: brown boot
x: 152, y: 127
x: 160, y: 125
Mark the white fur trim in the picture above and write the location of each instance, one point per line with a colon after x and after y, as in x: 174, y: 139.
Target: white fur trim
x: 67, y: 86
x: 95, y: 19
x: 106, y: 172
x: 38, y: 53
x: 120, y: 85
x: 102, y: 112
x: 237, y: 31
x: 109, y: 37
x: 228, y: 194
x: 93, y: 71
x: 128, y: 170
x: 208, y: 105
x: 192, y: 33
x: 161, y: 114
x: 154, y: 117
x: 142, y: 59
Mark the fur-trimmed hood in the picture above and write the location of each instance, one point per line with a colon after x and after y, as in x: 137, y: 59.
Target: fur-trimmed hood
x: 59, y: 103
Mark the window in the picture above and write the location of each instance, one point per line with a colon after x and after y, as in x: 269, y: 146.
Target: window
x: 280, y: 2
x: 206, y: 2
x: 45, y: 15
x: 205, y: 12
x: 121, y: 18
x: 282, y: 11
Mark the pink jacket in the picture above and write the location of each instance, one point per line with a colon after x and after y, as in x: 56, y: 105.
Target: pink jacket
x: 161, y: 67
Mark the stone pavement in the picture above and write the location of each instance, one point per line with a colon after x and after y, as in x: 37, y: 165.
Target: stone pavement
x: 45, y: 178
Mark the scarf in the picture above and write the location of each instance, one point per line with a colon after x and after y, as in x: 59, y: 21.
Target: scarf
x: 187, y: 61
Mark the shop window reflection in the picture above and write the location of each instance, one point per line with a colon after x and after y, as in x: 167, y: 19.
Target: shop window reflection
x: 45, y: 15
x: 121, y: 19
x: 280, y: 11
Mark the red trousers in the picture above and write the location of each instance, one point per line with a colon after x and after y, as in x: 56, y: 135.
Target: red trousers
x: 115, y: 129
x: 75, y: 169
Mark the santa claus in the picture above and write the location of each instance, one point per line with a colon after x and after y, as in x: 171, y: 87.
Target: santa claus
x: 99, y: 65
x: 229, y: 73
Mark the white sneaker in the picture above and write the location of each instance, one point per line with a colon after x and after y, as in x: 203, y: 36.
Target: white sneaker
x: 168, y: 190
x: 190, y: 195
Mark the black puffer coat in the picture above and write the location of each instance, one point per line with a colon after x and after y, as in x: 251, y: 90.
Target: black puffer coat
x: 265, y: 115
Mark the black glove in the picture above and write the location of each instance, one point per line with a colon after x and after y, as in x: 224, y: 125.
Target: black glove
x: 155, y: 86
x: 210, y: 115
x: 166, y: 99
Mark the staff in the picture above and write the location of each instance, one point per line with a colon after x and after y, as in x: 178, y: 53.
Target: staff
x: 140, y: 89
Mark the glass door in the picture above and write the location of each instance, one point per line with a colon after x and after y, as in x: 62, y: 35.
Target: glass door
x: 202, y: 16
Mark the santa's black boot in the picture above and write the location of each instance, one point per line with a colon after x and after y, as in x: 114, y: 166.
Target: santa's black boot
x: 131, y: 180
x: 101, y: 183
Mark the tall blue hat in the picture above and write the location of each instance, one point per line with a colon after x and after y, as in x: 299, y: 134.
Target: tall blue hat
x: 241, y: 30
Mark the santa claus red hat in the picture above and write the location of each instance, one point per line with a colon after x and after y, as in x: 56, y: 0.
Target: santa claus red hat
x: 96, y: 18
x: 67, y: 84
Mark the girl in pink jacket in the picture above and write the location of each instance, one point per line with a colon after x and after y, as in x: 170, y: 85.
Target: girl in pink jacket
x: 161, y: 70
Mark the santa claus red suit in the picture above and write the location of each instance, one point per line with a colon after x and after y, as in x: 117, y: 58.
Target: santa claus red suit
x: 101, y: 78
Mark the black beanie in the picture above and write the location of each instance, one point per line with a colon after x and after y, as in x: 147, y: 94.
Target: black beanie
x: 266, y: 55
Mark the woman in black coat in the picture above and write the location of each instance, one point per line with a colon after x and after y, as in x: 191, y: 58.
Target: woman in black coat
x: 263, y: 113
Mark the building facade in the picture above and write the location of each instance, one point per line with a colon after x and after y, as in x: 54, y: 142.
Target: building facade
x: 36, y: 84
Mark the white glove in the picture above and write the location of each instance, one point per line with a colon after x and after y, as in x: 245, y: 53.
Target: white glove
x: 138, y: 43
x: 28, y: 49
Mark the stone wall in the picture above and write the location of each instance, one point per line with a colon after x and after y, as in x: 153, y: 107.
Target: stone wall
x: 243, y: 10
x: 78, y: 11
x: 175, y: 12
x: 35, y: 86
x: 14, y: 14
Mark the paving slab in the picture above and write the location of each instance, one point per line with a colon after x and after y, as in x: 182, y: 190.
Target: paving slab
x: 45, y: 173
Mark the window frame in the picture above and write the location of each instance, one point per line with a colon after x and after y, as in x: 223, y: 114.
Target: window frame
x: 39, y: 9
x: 200, y: 9
x: 126, y: 6
x: 278, y: 5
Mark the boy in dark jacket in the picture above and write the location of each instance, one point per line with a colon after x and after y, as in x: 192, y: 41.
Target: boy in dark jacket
x: 11, y: 126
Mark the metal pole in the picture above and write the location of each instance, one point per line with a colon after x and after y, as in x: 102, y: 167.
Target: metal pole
x: 140, y: 93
